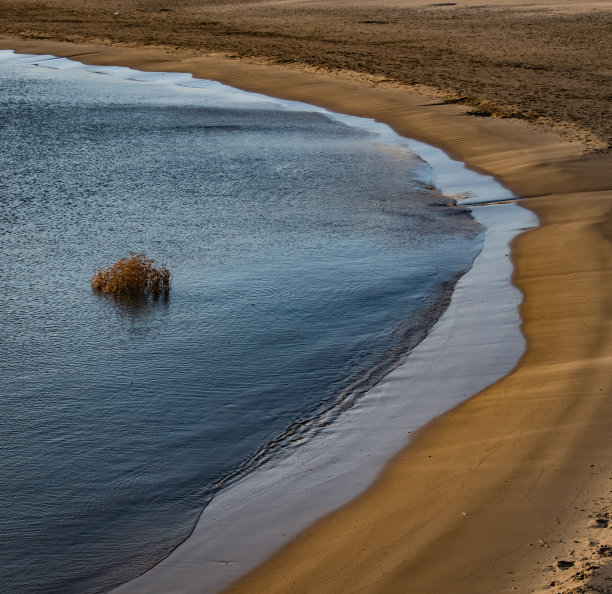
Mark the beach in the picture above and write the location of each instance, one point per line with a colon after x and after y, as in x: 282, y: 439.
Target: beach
x: 511, y: 489
x: 293, y: 311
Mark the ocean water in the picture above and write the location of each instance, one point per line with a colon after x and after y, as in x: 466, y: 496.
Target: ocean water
x: 307, y: 256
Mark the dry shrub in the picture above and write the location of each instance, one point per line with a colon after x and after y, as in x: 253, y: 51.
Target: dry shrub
x: 134, y: 275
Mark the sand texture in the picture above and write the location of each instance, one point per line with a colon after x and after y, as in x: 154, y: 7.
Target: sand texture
x: 495, y: 494
x: 541, y: 61
x: 510, y: 490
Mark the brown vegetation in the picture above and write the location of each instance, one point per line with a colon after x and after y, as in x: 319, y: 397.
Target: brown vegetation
x: 134, y: 275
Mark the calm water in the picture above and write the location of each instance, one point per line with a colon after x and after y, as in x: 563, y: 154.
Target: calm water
x: 304, y: 253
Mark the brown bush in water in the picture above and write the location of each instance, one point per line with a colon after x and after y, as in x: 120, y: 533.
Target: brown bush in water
x: 134, y: 275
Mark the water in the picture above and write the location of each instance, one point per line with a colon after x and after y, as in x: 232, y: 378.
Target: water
x: 307, y: 257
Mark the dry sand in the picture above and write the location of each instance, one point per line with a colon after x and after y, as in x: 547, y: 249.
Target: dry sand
x: 542, y: 61
x: 510, y: 490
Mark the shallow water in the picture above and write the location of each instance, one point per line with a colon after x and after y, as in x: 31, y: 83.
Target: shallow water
x: 306, y: 256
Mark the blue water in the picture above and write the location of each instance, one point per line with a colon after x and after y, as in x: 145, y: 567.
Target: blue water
x: 307, y: 258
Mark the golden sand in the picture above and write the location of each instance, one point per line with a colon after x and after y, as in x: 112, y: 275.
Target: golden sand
x: 510, y: 490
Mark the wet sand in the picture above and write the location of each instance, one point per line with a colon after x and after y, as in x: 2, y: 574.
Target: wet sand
x: 543, y: 60
x: 512, y: 488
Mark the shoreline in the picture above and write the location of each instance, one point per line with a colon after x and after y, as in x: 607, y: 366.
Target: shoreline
x: 256, y: 516
x: 348, y: 449
x: 560, y: 372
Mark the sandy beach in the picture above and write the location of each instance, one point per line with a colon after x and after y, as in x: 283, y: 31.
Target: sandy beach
x: 511, y: 489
